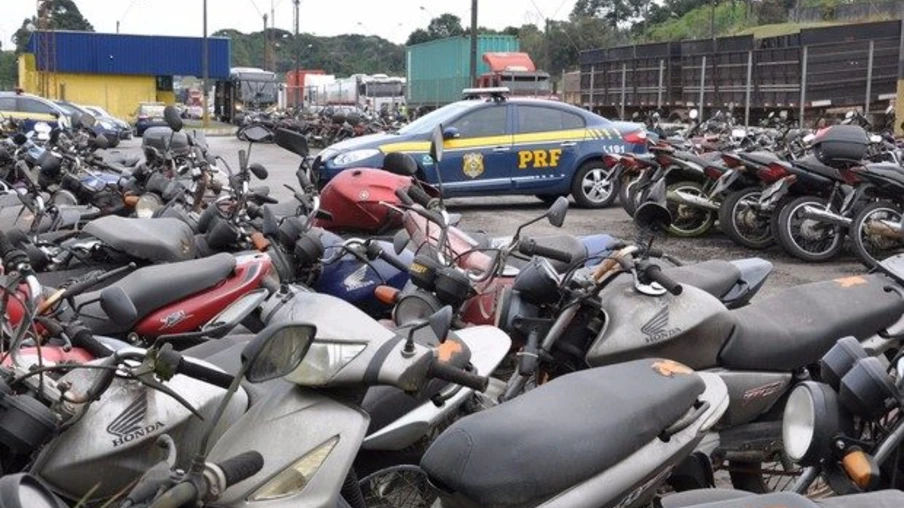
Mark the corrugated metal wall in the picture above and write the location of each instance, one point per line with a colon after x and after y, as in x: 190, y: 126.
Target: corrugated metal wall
x: 98, y: 53
x: 438, y: 70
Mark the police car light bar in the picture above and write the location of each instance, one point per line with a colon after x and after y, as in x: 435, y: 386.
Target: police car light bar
x: 495, y: 92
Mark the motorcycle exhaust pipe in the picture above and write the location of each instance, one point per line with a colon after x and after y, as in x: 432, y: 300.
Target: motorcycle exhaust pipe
x: 885, y: 228
x: 692, y: 200
x: 821, y: 215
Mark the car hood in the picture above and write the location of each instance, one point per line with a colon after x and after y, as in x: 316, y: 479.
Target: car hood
x: 361, y: 143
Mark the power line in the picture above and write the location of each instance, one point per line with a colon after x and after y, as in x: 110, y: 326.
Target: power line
x: 259, y: 13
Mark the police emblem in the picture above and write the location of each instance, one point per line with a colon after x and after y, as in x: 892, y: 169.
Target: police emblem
x: 473, y: 164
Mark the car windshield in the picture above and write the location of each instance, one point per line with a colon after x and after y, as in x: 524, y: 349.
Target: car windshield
x: 427, y: 122
x: 69, y: 110
x: 99, y: 111
x: 152, y: 110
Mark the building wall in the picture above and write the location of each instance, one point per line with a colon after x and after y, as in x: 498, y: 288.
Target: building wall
x: 118, y: 94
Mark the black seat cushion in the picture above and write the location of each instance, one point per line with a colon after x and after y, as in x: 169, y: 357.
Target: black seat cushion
x: 797, y: 326
x: 559, y: 434
x: 760, y: 158
x: 163, y: 240
x: 716, y: 277
x: 153, y: 287
x: 812, y: 164
x: 694, y: 498
x: 719, y: 498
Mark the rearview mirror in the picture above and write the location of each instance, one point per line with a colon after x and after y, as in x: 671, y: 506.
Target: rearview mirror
x: 20, y: 139
x: 653, y: 217
x: 557, y: 212
x: 256, y: 134
x: 438, y: 139
x: 259, y: 171
x: 117, y: 305
x: 292, y: 141
x: 276, y: 351
x: 400, y: 241
x: 441, y: 322
x: 173, y: 118
x: 87, y: 121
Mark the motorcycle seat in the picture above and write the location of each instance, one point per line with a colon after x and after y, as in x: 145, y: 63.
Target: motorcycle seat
x: 162, y: 240
x: 153, y: 287
x: 716, y: 277
x: 812, y: 164
x: 758, y: 158
x: 723, y: 498
x: 798, y: 326
x: 885, y: 171
x: 559, y: 434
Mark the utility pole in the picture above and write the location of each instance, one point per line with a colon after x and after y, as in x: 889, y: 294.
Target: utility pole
x: 117, y: 27
x: 266, y: 46
x: 205, y: 70
x: 473, y: 71
x: 712, y: 20
x: 297, y: 57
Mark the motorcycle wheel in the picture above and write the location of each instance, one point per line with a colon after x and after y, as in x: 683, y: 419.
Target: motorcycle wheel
x: 626, y: 195
x: 404, y: 486
x: 689, y: 221
x: 241, y: 134
x: 762, y: 477
x: 808, y: 239
x: 872, y: 247
x: 744, y: 223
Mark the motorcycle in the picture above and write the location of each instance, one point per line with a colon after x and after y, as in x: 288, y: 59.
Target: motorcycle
x: 720, y: 498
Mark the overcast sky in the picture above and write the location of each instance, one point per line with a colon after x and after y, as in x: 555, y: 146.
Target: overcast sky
x: 391, y: 19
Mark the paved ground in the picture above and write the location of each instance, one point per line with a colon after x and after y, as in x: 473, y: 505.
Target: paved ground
x: 501, y: 215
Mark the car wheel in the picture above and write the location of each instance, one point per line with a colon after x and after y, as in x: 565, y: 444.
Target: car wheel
x: 593, y: 185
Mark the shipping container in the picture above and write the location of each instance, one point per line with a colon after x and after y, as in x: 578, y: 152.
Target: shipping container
x: 296, y: 81
x: 437, y: 71
x: 141, y: 55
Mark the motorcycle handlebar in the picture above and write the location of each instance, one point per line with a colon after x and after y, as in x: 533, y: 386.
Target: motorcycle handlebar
x: 82, y: 337
x: 204, y: 373
x: 655, y: 274
x: 458, y: 376
x: 404, y: 197
x: 529, y: 247
x: 241, y: 467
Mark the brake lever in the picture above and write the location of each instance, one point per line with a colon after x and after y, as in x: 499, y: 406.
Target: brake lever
x: 146, y: 374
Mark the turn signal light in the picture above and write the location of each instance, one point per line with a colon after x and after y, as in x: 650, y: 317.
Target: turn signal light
x: 861, y: 469
x: 130, y: 200
x: 259, y: 241
x: 387, y: 294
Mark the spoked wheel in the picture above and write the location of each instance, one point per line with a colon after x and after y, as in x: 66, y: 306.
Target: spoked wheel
x: 766, y: 477
x: 687, y: 220
x: 807, y: 238
x: 876, y: 233
x: 742, y: 220
x: 398, y: 487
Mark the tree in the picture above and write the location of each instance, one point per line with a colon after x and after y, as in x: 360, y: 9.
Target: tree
x: 418, y: 36
x: 445, y: 25
x: 613, y: 11
x: 64, y: 15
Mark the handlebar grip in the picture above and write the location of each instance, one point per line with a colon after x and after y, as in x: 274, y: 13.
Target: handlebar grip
x: 529, y: 247
x: 84, y: 339
x: 403, y: 197
x: 458, y: 376
x: 393, y: 261
x: 204, y: 373
x: 241, y: 467
x: 655, y: 273
x: 419, y: 196
x: 6, y: 246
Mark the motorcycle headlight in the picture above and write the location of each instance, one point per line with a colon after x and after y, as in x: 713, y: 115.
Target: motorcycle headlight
x: 147, y: 204
x: 354, y: 156
x: 812, y: 418
x: 415, y: 307
x: 294, y: 478
x: 324, y: 359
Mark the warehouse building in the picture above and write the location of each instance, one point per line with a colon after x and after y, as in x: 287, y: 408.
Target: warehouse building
x: 115, y: 71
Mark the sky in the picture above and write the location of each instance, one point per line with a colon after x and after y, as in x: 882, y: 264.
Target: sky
x: 390, y: 19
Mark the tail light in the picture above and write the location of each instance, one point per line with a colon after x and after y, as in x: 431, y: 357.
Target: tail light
x: 850, y: 177
x: 772, y: 172
x: 636, y: 137
x: 712, y: 172
x: 731, y: 160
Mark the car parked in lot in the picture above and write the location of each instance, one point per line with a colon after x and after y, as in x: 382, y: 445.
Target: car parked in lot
x: 125, y: 130
x: 109, y: 129
x: 31, y: 109
x: 148, y: 114
x: 497, y: 145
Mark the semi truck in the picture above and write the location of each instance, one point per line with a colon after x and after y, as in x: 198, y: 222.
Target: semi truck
x: 373, y: 92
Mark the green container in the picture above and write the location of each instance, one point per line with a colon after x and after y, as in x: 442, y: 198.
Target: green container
x: 438, y: 70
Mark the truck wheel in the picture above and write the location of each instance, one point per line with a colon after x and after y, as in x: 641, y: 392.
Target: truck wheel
x: 593, y: 185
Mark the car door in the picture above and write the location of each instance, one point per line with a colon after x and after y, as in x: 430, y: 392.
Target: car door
x: 546, y: 144
x: 33, y: 111
x: 478, y: 160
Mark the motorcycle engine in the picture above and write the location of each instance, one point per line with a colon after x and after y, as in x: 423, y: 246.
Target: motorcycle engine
x: 25, y: 423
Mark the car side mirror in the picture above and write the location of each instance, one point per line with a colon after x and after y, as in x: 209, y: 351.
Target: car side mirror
x: 557, y: 212
x: 117, y: 305
x: 173, y: 118
x: 277, y: 351
x: 451, y: 133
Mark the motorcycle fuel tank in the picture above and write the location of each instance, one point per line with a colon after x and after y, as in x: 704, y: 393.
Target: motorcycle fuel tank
x: 689, y: 328
x: 354, y: 199
x: 114, y: 443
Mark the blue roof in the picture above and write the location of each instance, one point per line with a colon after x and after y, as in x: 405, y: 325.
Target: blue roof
x: 145, y: 55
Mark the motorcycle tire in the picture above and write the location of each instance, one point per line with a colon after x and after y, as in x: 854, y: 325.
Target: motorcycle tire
x: 736, y: 217
x: 790, y: 233
x: 594, y: 175
x: 743, y: 476
x: 689, y: 222
x: 626, y: 195
x: 869, y: 247
x: 240, y: 134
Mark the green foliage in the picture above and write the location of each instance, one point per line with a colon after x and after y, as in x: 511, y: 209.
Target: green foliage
x: 8, y: 70
x: 728, y: 17
x: 64, y: 15
x: 342, y: 55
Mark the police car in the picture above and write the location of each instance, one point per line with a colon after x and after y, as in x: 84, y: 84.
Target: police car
x: 498, y: 145
x: 31, y: 109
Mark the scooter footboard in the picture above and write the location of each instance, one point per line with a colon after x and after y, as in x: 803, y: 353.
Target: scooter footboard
x: 633, y: 481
